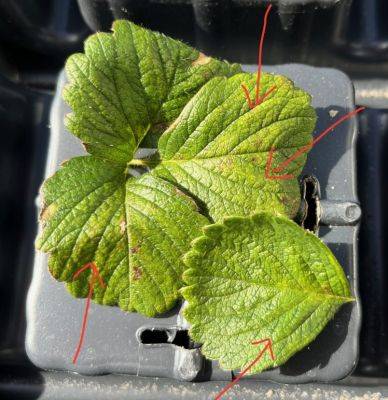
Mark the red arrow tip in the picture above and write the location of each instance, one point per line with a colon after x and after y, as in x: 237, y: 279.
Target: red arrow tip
x: 267, y: 347
x: 95, y: 273
x: 268, y: 168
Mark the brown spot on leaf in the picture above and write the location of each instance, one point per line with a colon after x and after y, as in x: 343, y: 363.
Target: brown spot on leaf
x: 123, y: 226
x: 201, y: 60
x: 48, y: 212
x: 226, y: 164
x: 135, y: 249
x: 136, y: 273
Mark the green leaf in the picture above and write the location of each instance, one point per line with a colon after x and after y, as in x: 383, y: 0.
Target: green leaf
x: 135, y: 230
x: 259, y: 277
x: 217, y: 149
x: 129, y: 83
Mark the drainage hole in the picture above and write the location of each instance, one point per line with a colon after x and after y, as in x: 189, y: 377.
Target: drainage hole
x: 311, y: 201
x: 150, y: 336
x: 156, y: 336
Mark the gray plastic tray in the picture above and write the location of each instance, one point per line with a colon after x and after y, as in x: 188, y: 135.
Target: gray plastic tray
x: 111, y: 343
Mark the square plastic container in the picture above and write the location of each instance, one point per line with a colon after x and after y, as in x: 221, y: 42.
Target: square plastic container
x: 112, y: 342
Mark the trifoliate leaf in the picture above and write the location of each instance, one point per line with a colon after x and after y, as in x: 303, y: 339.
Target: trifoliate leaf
x: 260, y: 277
x: 132, y: 82
x: 218, y: 148
x: 135, y: 230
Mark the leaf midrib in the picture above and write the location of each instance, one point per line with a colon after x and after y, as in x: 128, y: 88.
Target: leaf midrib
x: 313, y: 292
x: 195, y: 157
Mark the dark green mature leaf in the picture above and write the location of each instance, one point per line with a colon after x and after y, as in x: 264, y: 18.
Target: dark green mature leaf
x: 129, y: 83
x: 217, y: 148
x: 259, y: 277
x: 135, y: 230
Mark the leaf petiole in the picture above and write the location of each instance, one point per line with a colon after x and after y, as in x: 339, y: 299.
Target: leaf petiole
x: 144, y: 162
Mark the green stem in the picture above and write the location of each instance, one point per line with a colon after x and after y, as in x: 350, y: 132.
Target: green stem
x: 143, y: 162
x: 139, y: 163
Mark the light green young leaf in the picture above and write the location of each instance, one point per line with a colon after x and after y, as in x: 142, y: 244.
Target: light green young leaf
x: 259, y: 277
x: 132, y: 82
x: 135, y: 230
x: 217, y: 148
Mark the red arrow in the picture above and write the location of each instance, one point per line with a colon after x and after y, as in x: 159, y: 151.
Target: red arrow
x: 267, y: 347
x: 304, y: 149
x: 259, y: 99
x: 95, y: 276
